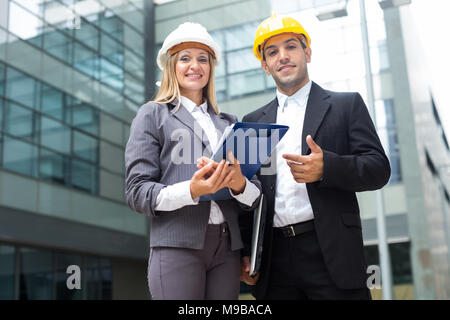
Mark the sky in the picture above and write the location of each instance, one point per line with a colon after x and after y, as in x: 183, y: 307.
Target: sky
x: 433, y: 22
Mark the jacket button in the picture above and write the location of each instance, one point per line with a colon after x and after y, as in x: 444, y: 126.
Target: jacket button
x: 271, y: 187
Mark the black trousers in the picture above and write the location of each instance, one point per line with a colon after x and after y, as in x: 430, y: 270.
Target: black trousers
x: 298, y: 272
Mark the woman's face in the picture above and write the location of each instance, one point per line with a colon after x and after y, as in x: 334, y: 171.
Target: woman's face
x: 192, y: 70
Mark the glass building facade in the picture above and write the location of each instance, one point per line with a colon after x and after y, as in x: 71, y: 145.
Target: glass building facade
x: 72, y: 75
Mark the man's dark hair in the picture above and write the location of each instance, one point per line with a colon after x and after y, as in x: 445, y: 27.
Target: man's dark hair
x: 299, y: 39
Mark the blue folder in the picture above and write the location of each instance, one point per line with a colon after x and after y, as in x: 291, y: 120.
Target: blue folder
x: 252, y: 143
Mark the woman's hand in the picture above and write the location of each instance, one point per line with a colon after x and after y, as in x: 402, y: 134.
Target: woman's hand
x: 238, y: 182
x: 217, y: 180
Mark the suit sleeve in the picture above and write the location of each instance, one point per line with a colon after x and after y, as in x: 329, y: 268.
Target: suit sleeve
x: 366, y: 166
x: 142, y: 163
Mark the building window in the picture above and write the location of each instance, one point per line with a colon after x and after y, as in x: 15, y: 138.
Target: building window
x: 20, y: 156
x: 34, y: 273
x: 400, y: 265
x: 7, y: 267
x: 387, y: 132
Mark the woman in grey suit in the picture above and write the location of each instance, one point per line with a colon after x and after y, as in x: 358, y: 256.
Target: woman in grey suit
x: 195, y: 243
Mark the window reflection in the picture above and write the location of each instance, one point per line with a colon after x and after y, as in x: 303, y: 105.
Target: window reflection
x: 52, y: 102
x: 59, y: 45
x: 84, y: 176
x: 88, y: 35
x: 85, y: 146
x: 62, y: 261
x: 40, y: 274
x: 245, y: 83
x: 2, y: 78
x: 86, y: 60
x: 20, y: 122
x: 22, y: 88
x: 55, y: 135
x: 36, y: 274
x: 54, y: 167
x: 21, y: 156
x: 85, y: 117
x: 7, y: 271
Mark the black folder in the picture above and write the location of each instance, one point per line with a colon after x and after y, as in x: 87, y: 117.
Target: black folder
x: 259, y: 219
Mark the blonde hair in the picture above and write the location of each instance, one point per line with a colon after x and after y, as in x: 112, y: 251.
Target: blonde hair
x: 170, y: 89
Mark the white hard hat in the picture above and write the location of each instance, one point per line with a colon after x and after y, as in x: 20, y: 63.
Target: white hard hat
x: 188, y: 32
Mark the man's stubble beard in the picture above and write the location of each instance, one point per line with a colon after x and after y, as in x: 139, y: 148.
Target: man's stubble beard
x: 288, y: 82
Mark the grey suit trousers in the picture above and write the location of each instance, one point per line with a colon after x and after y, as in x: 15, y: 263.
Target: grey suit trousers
x: 211, y: 273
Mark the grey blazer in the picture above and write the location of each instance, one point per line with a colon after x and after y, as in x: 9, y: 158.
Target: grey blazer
x: 149, y: 168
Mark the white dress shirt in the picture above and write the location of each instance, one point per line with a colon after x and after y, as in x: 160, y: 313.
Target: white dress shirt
x: 178, y: 195
x: 292, y: 203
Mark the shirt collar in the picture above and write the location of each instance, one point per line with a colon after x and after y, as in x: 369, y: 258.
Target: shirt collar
x: 190, y: 105
x: 300, y: 96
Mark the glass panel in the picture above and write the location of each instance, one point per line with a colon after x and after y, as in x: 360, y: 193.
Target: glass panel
x: 250, y: 82
x: 88, y: 35
x: 240, y: 36
x: 54, y: 167
x: 7, y: 266
x: 84, y: 176
x: 98, y: 278
x: 52, y: 102
x: 55, y: 135
x: 31, y: 30
x: 133, y: 40
x: 85, y: 147
x: 21, y: 156
x: 242, y: 60
x: 2, y: 78
x: 134, y: 89
x: 135, y: 65
x: 86, y: 61
x: 22, y: 88
x: 59, y: 45
x: 36, y: 276
x: 111, y: 74
x: 113, y: 26
x: 106, y: 278
x: 93, y: 280
x: 111, y: 49
x: 20, y: 122
x: 62, y: 261
x: 85, y: 117
x: 1, y: 114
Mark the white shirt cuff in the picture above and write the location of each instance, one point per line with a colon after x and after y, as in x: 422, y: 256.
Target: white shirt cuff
x: 250, y: 194
x: 175, y: 197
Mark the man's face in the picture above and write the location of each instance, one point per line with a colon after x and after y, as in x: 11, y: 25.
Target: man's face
x: 285, y: 60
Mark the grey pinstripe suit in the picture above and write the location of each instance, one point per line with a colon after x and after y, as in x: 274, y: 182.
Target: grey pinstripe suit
x: 149, y: 168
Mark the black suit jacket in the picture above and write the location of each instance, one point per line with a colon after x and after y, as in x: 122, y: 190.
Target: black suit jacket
x: 354, y: 160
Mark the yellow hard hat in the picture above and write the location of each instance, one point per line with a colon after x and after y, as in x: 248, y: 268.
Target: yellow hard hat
x: 274, y: 26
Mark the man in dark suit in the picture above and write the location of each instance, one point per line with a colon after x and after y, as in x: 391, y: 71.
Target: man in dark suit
x: 313, y: 246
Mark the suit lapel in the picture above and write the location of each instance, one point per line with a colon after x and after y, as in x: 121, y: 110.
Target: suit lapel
x: 316, y: 109
x: 185, y: 117
x: 269, y: 113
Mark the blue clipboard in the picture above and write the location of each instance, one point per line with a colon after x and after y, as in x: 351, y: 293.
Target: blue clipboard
x: 252, y: 143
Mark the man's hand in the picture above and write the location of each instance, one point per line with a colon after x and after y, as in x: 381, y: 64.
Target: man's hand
x: 306, y: 169
x: 245, y: 269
